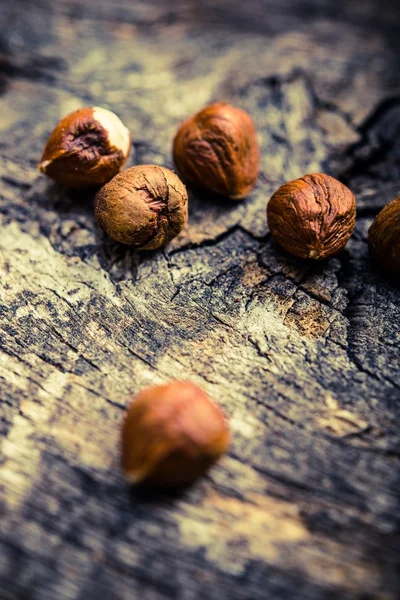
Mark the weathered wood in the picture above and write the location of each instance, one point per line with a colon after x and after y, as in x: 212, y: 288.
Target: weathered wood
x: 304, y: 358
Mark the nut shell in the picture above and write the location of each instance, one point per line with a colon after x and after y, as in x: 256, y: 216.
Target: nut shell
x: 218, y: 149
x: 171, y: 435
x: 384, y: 237
x: 312, y: 217
x: 145, y: 207
x: 86, y: 148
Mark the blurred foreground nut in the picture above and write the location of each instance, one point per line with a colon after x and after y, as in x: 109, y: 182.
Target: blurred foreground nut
x: 86, y: 148
x: 312, y: 217
x: 218, y: 149
x: 145, y: 207
x: 171, y: 435
x: 384, y: 237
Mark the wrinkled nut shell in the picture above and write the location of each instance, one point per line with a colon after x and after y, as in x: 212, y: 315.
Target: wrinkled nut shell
x: 86, y: 148
x: 312, y: 217
x: 218, y: 149
x: 145, y: 207
x: 384, y: 237
x: 171, y: 435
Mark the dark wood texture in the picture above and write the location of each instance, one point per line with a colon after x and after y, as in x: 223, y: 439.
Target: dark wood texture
x: 304, y: 358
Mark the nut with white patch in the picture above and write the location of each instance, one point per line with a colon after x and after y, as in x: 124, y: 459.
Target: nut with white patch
x: 86, y: 148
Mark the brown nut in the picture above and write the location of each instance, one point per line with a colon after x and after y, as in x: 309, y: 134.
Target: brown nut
x: 171, y: 435
x: 218, y: 149
x: 86, y: 148
x: 384, y: 237
x: 312, y: 217
x: 145, y: 207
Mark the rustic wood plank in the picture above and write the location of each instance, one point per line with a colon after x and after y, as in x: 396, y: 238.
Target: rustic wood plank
x: 303, y: 358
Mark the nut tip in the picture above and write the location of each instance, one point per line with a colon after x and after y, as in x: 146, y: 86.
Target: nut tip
x: 240, y: 196
x: 43, y: 165
x: 134, y: 477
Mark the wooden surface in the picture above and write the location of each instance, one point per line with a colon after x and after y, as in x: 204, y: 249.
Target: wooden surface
x: 304, y: 358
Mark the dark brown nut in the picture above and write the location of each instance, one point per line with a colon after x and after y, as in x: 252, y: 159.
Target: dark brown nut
x: 312, y: 217
x: 384, y: 237
x: 145, y: 207
x: 218, y: 149
x: 171, y: 435
x: 87, y: 148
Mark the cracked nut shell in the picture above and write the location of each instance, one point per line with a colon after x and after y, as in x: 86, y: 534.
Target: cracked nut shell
x: 86, y: 148
x: 384, y: 237
x: 312, y: 217
x: 171, y: 435
x: 218, y: 149
x: 145, y: 207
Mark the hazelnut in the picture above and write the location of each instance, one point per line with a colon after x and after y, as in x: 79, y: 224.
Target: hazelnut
x: 217, y: 149
x: 86, y: 148
x: 312, y: 217
x: 171, y: 435
x: 384, y: 237
x: 145, y: 206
